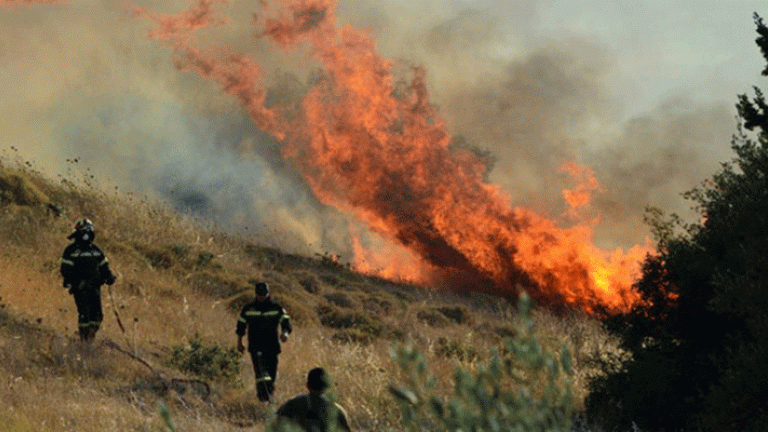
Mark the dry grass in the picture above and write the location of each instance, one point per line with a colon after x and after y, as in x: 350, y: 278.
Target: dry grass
x: 177, y: 279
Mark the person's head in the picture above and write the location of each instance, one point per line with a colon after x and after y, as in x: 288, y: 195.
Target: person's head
x: 261, y: 291
x: 84, y: 231
x: 318, y: 380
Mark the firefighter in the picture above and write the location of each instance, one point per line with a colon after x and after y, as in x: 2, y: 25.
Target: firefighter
x: 268, y: 325
x: 84, y: 269
x: 312, y: 411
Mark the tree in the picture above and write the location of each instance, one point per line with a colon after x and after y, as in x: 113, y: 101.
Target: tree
x: 699, y: 354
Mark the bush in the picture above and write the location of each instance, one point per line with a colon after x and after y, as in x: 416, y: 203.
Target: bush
x: 333, y: 317
x: 452, y: 348
x: 458, y: 314
x: 206, y: 361
x: 340, y: 299
x: 524, y: 390
x: 432, y: 317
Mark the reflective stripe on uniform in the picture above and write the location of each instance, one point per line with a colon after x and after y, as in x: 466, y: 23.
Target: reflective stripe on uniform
x: 89, y: 324
x: 257, y: 313
x: 78, y: 254
x: 242, y: 320
x: 67, y: 262
x: 264, y: 378
x: 285, y: 317
x: 104, y: 261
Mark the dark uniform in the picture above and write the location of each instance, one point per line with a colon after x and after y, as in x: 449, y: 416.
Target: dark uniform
x: 84, y: 269
x: 262, y: 318
x: 313, y: 412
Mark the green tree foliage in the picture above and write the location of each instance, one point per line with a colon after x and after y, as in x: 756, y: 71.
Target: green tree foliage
x: 522, y: 388
x: 699, y: 354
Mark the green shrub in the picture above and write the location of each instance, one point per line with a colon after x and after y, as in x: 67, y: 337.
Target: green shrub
x: 331, y: 316
x: 206, y: 361
x: 339, y: 299
x: 157, y: 257
x: 378, y: 306
x: 457, y: 314
x: 309, y: 284
x: 181, y: 250
x: 432, y: 317
x: 524, y: 390
x: 204, y: 258
x: 453, y: 348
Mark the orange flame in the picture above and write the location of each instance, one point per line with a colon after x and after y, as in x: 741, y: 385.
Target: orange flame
x: 580, y: 197
x: 377, y: 149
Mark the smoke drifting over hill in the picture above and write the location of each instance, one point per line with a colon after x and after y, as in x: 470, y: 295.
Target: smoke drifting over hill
x: 84, y: 80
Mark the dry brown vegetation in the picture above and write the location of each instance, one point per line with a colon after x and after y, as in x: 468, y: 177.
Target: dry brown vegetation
x: 178, y: 278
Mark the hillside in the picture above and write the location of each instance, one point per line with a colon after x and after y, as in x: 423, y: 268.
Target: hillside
x: 181, y: 281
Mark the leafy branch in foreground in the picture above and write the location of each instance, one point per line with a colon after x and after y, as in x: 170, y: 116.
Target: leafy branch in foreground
x: 522, y: 388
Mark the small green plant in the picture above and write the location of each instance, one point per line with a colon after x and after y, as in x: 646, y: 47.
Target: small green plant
x: 457, y: 349
x: 458, y: 314
x: 523, y: 389
x: 204, y: 258
x: 165, y: 414
x: 334, y: 317
x: 207, y: 361
x: 432, y: 318
x: 181, y: 250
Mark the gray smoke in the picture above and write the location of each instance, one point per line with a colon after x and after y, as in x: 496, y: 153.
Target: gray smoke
x: 82, y: 80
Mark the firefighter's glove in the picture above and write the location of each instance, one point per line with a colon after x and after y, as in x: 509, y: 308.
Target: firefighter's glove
x: 283, y: 337
x: 109, y: 280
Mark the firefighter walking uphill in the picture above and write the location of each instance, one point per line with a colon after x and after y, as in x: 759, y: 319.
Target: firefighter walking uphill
x: 84, y: 269
x: 268, y: 325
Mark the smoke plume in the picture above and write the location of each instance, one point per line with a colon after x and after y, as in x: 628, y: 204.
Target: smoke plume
x: 84, y: 80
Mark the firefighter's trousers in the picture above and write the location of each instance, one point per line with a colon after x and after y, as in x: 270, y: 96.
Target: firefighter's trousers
x: 265, y: 371
x: 89, y: 313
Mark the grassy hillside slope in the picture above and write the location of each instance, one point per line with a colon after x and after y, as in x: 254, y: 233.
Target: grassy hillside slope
x: 178, y: 280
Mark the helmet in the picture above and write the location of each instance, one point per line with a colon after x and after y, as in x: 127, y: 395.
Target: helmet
x: 83, y: 230
x: 262, y: 289
x: 84, y: 224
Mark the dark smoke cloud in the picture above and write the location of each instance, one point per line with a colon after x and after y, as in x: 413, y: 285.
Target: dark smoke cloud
x: 83, y: 80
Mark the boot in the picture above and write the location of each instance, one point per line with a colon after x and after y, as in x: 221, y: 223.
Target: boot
x: 92, y: 332
x: 83, y: 333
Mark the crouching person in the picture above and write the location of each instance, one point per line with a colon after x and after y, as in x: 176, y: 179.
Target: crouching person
x: 313, y: 411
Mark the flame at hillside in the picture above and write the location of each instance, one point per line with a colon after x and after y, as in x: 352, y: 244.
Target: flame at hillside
x: 373, y: 146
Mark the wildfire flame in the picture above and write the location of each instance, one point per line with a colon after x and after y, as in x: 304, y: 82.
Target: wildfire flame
x: 375, y: 147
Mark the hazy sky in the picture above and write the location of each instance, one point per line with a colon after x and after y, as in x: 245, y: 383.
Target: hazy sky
x: 655, y: 49
x: 701, y: 48
x: 640, y: 91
